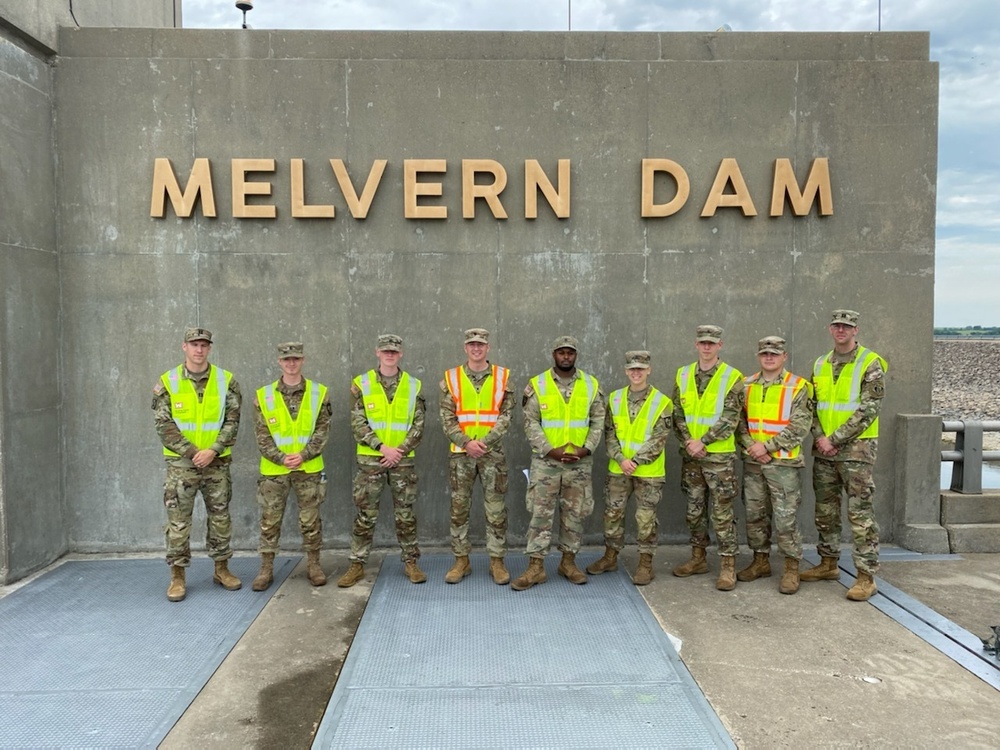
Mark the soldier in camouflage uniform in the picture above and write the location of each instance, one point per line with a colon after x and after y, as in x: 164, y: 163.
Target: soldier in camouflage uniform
x: 292, y: 424
x: 563, y: 418
x: 476, y: 403
x: 387, y: 421
x: 196, y: 408
x: 636, y: 427
x: 775, y: 420
x: 708, y: 399
x: 849, y: 382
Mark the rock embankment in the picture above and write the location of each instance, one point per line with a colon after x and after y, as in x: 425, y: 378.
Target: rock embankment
x: 967, y: 383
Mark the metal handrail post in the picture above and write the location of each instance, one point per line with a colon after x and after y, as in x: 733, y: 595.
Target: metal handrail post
x: 967, y: 474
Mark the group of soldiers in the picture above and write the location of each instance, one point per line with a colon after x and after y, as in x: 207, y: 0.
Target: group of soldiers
x: 715, y: 412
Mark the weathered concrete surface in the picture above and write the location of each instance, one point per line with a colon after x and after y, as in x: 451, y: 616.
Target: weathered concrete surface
x: 617, y: 281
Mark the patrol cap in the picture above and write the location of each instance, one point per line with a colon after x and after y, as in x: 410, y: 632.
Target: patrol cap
x: 708, y: 333
x: 197, y: 334
x: 477, y: 334
x: 389, y: 342
x: 291, y: 349
x: 771, y: 344
x: 639, y: 358
x: 566, y: 342
x: 847, y: 317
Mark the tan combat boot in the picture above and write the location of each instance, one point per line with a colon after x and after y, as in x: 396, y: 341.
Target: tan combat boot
x: 864, y: 588
x: 314, y: 572
x: 499, y: 571
x: 727, y: 574
x: 224, y: 578
x: 644, y: 573
x: 176, y: 591
x: 266, y: 575
x: 569, y: 571
x: 696, y: 565
x: 534, y: 574
x: 459, y: 570
x: 790, y: 578
x: 604, y: 564
x: 354, y: 574
x: 759, y: 568
x: 412, y: 571
x: 826, y: 571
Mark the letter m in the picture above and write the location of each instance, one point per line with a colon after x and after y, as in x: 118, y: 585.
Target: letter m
x: 165, y: 183
x: 817, y: 184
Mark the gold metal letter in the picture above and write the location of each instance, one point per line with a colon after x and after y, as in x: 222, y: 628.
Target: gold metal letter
x: 413, y: 189
x: 242, y: 188
x: 358, y: 206
x: 535, y: 179
x: 165, y: 183
x: 649, y: 169
x: 818, y: 182
x: 299, y: 208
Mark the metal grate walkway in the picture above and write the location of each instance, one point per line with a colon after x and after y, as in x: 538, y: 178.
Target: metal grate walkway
x: 476, y: 665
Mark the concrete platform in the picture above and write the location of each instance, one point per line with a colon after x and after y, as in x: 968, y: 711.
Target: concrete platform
x: 809, y: 670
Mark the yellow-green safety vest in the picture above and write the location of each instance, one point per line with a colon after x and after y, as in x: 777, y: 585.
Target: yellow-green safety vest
x: 290, y: 435
x: 390, y: 421
x: 837, y: 401
x: 769, y: 411
x: 199, y: 421
x: 633, y: 435
x: 702, y: 412
x: 565, y: 422
x: 477, y: 411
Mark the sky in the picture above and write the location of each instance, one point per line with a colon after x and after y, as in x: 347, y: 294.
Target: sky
x: 965, y: 41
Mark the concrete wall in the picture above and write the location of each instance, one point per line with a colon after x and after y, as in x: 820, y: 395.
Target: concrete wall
x: 130, y: 283
x: 34, y: 529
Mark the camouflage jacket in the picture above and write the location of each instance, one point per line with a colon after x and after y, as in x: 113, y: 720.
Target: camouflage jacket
x: 845, y: 437
x: 449, y: 420
x: 732, y: 407
x: 540, y: 445
x: 657, y: 440
x: 797, y: 429
x: 292, y: 396
x: 363, y: 433
x: 171, y: 435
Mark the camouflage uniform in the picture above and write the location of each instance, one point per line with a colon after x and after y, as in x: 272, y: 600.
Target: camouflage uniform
x: 850, y: 471
x: 647, y: 490
x: 491, y: 469
x: 310, y: 489
x: 774, y: 489
x: 551, y: 483
x: 371, y: 475
x: 184, y: 479
x: 712, y: 478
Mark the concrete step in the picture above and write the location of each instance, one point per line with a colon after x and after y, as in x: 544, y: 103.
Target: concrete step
x: 974, y: 537
x: 957, y: 508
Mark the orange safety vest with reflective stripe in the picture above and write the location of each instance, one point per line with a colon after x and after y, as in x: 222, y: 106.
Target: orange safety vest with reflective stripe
x: 390, y: 421
x: 701, y: 412
x: 633, y: 435
x: 769, y: 411
x: 565, y: 421
x: 477, y: 411
x: 198, y: 420
x: 290, y: 435
x: 837, y: 401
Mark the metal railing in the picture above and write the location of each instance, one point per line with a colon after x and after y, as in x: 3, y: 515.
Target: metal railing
x: 967, y: 473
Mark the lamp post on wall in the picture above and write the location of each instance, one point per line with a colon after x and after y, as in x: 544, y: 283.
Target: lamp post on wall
x: 244, y: 5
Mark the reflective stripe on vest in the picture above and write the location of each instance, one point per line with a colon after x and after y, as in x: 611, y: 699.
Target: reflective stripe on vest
x: 565, y: 422
x: 390, y: 421
x: 198, y: 420
x: 769, y: 411
x: 633, y: 435
x: 702, y: 412
x: 477, y: 411
x: 837, y: 401
x: 290, y: 435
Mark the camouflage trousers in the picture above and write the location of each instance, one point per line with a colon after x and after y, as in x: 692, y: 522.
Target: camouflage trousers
x: 568, y: 487
x: 855, y: 479
x: 179, y: 490
x: 772, y: 493
x: 647, y: 491
x: 492, y: 472
x: 711, y: 483
x: 272, y: 496
x: 368, y: 483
